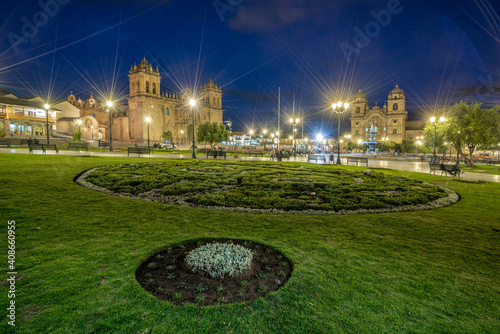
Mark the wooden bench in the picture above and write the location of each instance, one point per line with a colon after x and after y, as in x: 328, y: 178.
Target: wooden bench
x: 316, y: 157
x: 216, y: 154
x: 43, y: 147
x: 5, y: 142
x: 453, y: 170
x: 78, y: 146
x: 202, y: 150
x: 138, y: 150
x: 280, y: 156
x: 103, y: 143
x: 256, y: 153
x: 357, y: 161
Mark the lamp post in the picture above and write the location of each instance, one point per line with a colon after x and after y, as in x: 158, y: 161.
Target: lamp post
x: 192, y: 102
x: 182, y: 136
x: 337, y: 107
x: 348, y: 140
x: 319, y: 137
x: 251, y: 133
x: 47, y: 107
x: 92, y: 130
x: 110, y: 104
x: 418, y: 147
x: 148, y: 119
x: 264, y: 137
x: 433, y: 122
x: 294, y: 123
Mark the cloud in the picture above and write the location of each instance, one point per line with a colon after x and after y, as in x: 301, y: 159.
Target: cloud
x: 264, y: 15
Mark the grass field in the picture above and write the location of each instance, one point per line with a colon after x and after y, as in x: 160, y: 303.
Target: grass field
x: 77, y: 251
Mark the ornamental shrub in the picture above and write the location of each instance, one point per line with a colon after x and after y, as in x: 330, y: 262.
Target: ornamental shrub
x: 219, y: 259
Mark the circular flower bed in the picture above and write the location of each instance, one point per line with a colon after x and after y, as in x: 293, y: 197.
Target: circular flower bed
x: 268, y: 187
x: 188, y: 273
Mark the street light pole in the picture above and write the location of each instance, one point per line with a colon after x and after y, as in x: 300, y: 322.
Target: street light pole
x: 47, y: 107
x: 337, y: 107
x: 433, y: 121
x: 193, y: 104
x: 110, y: 104
x: 148, y: 119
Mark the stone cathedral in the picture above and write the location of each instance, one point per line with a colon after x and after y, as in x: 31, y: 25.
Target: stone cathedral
x: 170, y: 113
x: 388, y: 121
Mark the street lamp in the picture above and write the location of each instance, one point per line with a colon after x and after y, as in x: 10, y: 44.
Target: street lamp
x: 47, y: 107
x: 337, y: 107
x: 148, y: 119
x: 294, y: 123
x: 79, y: 125
x: 433, y: 122
x: 251, y: 133
x: 110, y: 104
x: 192, y: 102
x: 418, y: 147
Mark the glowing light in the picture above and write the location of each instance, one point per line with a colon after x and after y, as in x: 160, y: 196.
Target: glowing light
x: 297, y: 120
x: 433, y: 119
x: 251, y: 132
x: 442, y: 119
x: 346, y: 105
x: 47, y: 106
x: 291, y: 120
x: 265, y: 131
x: 319, y: 137
x: 192, y: 102
x: 79, y: 122
x: 148, y: 119
x: 359, y: 141
x: 334, y: 106
x: 339, y: 104
x: 109, y: 104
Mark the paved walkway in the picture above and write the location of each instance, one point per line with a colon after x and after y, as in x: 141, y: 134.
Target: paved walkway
x: 381, y: 162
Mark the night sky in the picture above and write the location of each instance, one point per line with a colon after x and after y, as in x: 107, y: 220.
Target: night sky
x: 319, y: 51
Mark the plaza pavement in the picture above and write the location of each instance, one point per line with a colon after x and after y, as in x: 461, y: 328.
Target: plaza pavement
x: 399, y: 163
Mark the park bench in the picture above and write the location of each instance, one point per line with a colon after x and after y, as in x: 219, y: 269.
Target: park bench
x: 78, y: 146
x: 216, y: 154
x: 316, y: 157
x: 453, y: 170
x: 280, y: 156
x: 103, y: 143
x: 256, y: 153
x: 139, y: 150
x: 43, y: 147
x: 491, y: 162
x: 357, y: 161
x: 203, y: 150
x: 5, y: 142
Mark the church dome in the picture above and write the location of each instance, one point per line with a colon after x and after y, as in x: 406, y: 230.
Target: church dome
x: 396, y: 93
x: 360, y: 97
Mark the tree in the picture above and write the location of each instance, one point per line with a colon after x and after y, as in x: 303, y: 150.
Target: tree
x: 212, y: 133
x: 407, y: 146
x: 77, y: 134
x: 467, y: 126
x: 167, y: 136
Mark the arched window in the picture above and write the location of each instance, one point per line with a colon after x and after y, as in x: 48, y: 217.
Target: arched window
x: 138, y: 87
x: 154, y: 88
x: 213, y: 100
x: 395, y: 132
x: 147, y: 86
x: 395, y: 106
x: 166, y: 111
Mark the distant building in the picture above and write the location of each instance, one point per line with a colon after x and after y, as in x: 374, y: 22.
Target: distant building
x: 390, y: 121
x: 170, y: 113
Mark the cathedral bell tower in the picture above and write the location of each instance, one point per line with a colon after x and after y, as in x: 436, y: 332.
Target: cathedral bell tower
x: 144, y: 100
x: 396, y: 102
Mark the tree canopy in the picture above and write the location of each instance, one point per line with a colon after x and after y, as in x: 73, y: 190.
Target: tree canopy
x: 466, y: 126
x: 212, y: 133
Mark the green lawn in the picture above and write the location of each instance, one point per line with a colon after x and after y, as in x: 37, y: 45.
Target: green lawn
x: 416, y: 272
x: 484, y: 169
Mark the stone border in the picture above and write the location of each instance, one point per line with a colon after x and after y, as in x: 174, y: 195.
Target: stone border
x: 155, y: 196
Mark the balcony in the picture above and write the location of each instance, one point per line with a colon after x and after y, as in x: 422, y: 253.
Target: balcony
x: 26, y: 117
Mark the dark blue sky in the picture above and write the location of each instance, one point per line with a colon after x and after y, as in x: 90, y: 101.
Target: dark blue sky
x: 437, y: 51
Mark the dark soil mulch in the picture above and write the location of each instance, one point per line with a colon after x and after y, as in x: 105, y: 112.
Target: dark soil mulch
x: 166, y: 276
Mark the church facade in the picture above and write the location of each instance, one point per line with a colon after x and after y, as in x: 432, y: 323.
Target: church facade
x: 390, y: 121
x: 170, y: 114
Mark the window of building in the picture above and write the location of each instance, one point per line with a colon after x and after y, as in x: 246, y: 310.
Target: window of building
x: 357, y: 132
x: 395, y: 132
x: 147, y: 86
x: 395, y: 106
x: 166, y: 111
x: 358, y: 109
x: 154, y: 88
x: 395, y: 121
